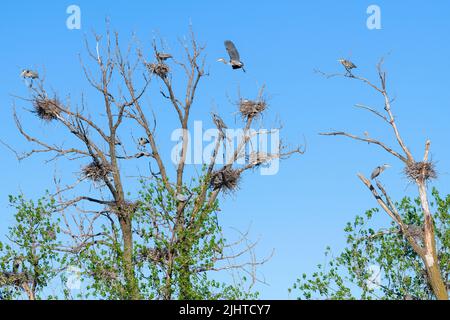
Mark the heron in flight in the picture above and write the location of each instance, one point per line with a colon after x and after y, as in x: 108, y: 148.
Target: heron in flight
x: 235, y: 60
x: 378, y: 170
x: 163, y: 56
x: 348, y: 65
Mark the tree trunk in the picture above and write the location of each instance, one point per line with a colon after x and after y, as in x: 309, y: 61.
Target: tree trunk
x: 430, y: 253
x: 127, y: 259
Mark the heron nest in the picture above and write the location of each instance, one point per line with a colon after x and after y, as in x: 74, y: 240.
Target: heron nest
x: 47, y: 109
x: 226, y: 179
x: 154, y: 254
x: 124, y: 208
x: 160, y: 69
x: 420, y: 171
x: 97, y: 172
x: 251, y: 108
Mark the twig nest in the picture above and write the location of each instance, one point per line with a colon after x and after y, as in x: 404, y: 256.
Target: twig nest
x: 420, y: 171
x: 225, y: 179
x: 97, y: 172
x: 47, y: 109
x: 160, y: 69
x: 124, y: 208
x: 154, y: 254
x: 251, y: 108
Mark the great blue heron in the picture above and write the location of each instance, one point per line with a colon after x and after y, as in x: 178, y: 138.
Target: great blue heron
x: 163, y: 56
x: 348, y: 65
x: 17, y: 262
x: 235, y: 60
x: 143, y: 141
x: 29, y: 74
x: 378, y: 170
x: 219, y: 123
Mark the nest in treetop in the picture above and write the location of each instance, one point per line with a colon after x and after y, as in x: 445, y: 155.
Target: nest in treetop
x: 251, y: 108
x: 226, y: 179
x: 420, y: 171
x: 97, y: 172
x: 160, y: 69
x: 47, y: 109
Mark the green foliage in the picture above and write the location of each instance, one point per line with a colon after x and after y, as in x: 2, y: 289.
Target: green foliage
x: 29, y: 259
x: 403, y: 276
x: 174, y: 251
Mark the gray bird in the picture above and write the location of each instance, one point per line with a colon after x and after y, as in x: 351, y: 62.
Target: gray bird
x: 163, y: 56
x: 378, y: 170
x: 182, y: 198
x: 219, y: 122
x: 143, y: 141
x: 16, y: 264
x: 348, y: 65
x: 29, y: 74
x: 235, y: 60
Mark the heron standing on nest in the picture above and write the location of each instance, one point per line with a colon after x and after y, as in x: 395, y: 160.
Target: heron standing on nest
x: 348, y: 65
x: 235, y: 60
x: 378, y: 170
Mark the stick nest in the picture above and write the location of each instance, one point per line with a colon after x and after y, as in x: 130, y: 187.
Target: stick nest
x: 251, y: 108
x: 125, y: 208
x: 420, y: 171
x: 225, y: 179
x: 160, y: 69
x: 47, y: 109
x: 154, y: 254
x: 97, y: 172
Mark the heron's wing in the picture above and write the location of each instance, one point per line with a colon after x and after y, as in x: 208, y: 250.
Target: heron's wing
x: 232, y: 51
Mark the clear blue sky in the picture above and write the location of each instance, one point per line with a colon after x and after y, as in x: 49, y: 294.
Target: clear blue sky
x: 303, y: 208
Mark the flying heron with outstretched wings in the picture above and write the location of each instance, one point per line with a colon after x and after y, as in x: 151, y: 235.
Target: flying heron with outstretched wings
x: 235, y: 60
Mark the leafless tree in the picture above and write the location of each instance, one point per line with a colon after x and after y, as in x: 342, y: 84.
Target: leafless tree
x: 95, y: 142
x: 418, y: 171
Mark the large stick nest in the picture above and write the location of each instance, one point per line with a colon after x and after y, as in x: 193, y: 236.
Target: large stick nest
x: 47, y: 109
x: 154, y: 254
x: 124, y: 208
x: 160, y: 69
x: 97, y: 172
x: 422, y: 171
x: 251, y: 108
x: 225, y: 179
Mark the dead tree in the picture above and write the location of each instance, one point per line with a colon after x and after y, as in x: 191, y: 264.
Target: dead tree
x: 96, y: 143
x: 419, y: 172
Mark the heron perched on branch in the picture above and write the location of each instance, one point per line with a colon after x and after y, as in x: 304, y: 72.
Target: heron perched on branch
x: 29, y: 74
x: 219, y: 123
x: 235, y: 60
x: 348, y: 65
x: 378, y: 170
x: 143, y: 141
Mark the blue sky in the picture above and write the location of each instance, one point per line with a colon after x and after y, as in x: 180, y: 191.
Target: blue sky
x: 303, y: 208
